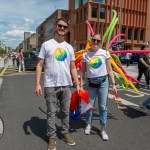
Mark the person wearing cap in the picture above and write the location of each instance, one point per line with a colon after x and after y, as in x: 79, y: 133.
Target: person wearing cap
x: 144, y: 65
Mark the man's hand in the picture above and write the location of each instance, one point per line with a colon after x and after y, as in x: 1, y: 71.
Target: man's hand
x: 78, y: 88
x: 38, y: 90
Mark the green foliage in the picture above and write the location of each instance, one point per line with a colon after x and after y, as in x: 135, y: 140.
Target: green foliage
x: 2, y: 51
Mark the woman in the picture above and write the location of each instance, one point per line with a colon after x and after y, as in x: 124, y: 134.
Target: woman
x: 96, y: 64
x: 144, y: 66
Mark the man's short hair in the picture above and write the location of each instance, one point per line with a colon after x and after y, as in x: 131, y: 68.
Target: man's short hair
x: 62, y: 19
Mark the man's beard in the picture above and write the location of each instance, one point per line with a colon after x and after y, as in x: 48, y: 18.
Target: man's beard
x: 60, y: 34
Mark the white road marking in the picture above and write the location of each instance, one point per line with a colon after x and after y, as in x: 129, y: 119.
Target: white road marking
x: 123, y: 101
x: 1, y: 128
x: 139, y: 94
x: 130, y: 104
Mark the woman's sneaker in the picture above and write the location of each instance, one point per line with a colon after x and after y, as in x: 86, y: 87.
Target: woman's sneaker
x: 87, y: 129
x: 104, y: 135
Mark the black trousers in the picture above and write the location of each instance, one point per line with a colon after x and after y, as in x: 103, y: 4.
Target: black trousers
x: 146, y: 74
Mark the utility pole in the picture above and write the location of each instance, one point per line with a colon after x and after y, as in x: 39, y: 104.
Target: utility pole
x: 120, y: 18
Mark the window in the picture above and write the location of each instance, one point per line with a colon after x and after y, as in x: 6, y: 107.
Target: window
x: 135, y: 34
x: 94, y: 11
x: 124, y: 32
x: 102, y: 13
x: 81, y: 16
x: 85, y: 13
x: 76, y: 4
x: 100, y: 1
x: 142, y: 35
x: 129, y: 34
x: 83, y: 2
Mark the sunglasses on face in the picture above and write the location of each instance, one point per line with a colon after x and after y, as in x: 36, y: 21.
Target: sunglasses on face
x: 94, y: 40
x: 60, y: 26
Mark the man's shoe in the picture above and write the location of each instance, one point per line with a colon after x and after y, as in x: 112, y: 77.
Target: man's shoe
x: 68, y: 139
x: 52, y: 144
x: 104, y: 135
x: 87, y: 129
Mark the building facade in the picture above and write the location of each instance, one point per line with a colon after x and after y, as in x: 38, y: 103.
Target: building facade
x: 31, y: 42
x: 133, y: 20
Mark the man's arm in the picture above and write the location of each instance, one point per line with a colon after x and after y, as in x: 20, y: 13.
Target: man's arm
x: 143, y: 62
x: 39, y: 66
x: 74, y: 74
x: 83, y: 73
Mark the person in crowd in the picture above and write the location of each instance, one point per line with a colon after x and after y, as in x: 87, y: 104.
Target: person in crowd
x: 127, y: 58
x: 14, y: 59
x: 21, y: 60
x: 96, y: 68
x: 144, y: 66
x: 58, y: 59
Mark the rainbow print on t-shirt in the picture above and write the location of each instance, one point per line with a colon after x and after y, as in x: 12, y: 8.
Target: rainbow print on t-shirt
x: 95, y: 62
x: 60, y: 54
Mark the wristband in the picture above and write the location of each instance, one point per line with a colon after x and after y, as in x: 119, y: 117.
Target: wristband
x: 114, y: 84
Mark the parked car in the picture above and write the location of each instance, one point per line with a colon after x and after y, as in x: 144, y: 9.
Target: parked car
x: 30, y: 59
x: 134, y: 58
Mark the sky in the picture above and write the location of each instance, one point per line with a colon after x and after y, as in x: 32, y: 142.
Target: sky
x: 19, y: 16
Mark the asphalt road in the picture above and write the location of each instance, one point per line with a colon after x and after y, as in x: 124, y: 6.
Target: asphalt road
x: 25, y: 121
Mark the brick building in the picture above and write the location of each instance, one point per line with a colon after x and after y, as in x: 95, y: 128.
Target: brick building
x: 133, y: 20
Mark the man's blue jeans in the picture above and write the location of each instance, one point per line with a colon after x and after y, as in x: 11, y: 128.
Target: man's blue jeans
x: 102, y: 94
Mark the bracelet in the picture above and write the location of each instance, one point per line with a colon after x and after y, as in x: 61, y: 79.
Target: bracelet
x: 114, y: 84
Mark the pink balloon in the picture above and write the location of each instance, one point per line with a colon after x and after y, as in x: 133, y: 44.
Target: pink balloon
x: 89, y: 25
x: 129, y: 51
x: 115, y: 39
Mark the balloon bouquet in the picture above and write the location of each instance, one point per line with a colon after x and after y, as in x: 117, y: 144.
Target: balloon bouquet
x: 107, y: 44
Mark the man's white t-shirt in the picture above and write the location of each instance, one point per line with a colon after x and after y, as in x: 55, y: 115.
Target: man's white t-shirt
x: 96, y: 63
x: 57, y: 57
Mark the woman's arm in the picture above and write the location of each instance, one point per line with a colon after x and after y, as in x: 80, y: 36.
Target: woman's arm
x: 110, y: 72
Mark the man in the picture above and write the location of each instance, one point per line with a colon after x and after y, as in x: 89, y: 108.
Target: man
x: 58, y: 59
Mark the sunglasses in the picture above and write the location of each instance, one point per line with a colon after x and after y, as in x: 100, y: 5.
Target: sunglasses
x: 94, y: 40
x: 60, y: 26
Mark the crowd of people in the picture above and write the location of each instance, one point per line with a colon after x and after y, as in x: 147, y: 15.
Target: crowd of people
x: 96, y: 75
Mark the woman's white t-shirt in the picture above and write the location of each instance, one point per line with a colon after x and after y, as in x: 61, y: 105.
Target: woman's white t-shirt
x: 96, y: 63
x: 57, y: 58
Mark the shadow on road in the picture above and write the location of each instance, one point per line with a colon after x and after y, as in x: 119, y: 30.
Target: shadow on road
x: 37, y: 126
x: 132, y: 113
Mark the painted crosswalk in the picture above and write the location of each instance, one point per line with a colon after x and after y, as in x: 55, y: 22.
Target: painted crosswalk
x: 13, y: 71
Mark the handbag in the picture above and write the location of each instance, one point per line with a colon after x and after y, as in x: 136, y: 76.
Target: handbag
x: 95, y: 83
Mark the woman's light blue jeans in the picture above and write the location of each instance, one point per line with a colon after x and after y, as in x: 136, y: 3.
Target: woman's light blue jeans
x: 102, y: 94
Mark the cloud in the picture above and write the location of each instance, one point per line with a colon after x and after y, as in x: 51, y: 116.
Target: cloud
x: 18, y: 16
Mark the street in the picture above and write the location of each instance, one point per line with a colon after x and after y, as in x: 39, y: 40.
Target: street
x: 24, y: 119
